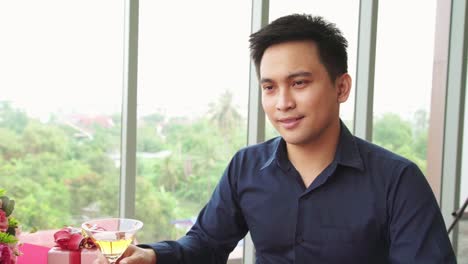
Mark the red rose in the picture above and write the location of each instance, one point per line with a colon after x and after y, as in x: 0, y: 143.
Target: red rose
x: 3, y: 221
x: 6, y: 255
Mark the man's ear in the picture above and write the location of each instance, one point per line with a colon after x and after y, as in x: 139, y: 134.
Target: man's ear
x: 343, y: 87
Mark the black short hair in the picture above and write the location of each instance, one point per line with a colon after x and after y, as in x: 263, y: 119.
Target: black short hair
x: 329, y: 39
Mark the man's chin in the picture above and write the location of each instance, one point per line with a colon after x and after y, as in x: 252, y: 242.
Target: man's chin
x: 298, y: 140
x: 293, y: 140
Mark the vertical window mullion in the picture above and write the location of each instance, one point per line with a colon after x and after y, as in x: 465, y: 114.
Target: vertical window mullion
x: 365, y: 70
x: 256, y: 116
x: 455, y: 101
x: 129, y: 105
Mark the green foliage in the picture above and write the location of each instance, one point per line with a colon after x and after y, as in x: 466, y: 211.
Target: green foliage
x: 42, y: 208
x: 7, y: 238
x: 10, y: 146
x: 392, y: 132
x: 12, y: 222
x: 12, y: 119
x: 61, y: 179
x: 149, y: 140
x: 403, y: 137
x: 156, y: 207
x: 39, y: 138
x: 224, y: 114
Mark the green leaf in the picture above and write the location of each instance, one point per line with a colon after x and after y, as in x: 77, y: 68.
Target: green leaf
x: 12, y: 222
x: 7, y: 238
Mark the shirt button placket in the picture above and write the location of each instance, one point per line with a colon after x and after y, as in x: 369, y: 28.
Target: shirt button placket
x: 299, y: 237
x: 299, y: 224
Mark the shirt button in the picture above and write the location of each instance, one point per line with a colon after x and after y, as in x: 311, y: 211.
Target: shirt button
x: 299, y: 240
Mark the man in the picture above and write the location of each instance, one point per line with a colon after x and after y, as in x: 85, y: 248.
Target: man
x: 316, y: 194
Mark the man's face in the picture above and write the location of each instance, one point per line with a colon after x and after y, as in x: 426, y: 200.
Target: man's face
x: 298, y: 96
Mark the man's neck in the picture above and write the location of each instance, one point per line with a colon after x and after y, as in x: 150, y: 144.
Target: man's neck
x: 312, y: 158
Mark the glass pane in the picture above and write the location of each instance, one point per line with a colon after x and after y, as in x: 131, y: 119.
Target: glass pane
x: 346, y: 19
x: 403, y: 77
x: 192, y: 108
x: 61, y: 78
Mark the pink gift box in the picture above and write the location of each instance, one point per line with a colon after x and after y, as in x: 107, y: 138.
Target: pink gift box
x: 57, y: 255
x: 32, y: 254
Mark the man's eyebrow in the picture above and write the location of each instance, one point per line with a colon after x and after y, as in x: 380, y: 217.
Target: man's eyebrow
x: 266, y: 80
x: 290, y: 76
x: 299, y: 74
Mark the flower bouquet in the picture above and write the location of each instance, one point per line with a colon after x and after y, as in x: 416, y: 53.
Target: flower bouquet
x: 8, y: 231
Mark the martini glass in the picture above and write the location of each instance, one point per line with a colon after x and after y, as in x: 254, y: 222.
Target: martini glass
x: 112, y: 235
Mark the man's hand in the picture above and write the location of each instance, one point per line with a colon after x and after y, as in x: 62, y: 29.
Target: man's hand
x: 133, y: 255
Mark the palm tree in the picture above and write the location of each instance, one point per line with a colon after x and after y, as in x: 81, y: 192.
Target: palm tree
x: 225, y: 115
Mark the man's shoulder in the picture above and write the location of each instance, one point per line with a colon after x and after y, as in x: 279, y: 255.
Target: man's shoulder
x: 257, y: 156
x: 386, y: 168
x: 268, y: 147
x: 375, y: 153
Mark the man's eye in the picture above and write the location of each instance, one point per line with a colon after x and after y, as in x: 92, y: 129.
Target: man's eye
x: 267, y: 88
x: 299, y: 83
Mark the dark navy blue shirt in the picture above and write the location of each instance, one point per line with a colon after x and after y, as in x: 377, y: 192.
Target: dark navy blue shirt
x: 368, y: 206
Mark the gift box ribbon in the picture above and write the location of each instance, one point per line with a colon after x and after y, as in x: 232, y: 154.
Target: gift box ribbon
x: 68, y: 238
x: 71, y: 239
x: 74, y: 257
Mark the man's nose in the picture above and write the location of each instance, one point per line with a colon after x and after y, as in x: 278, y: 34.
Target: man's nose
x: 285, y: 100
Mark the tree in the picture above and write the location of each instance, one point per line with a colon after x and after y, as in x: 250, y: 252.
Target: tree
x: 400, y: 136
x: 149, y: 140
x: 392, y: 132
x: 10, y: 144
x: 39, y: 138
x: 156, y: 208
x: 421, y: 121
x: 225, y: 116
x: 11, y: 118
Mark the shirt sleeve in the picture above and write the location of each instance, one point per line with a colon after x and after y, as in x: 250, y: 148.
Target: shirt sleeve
x: 417, y: 230
x: 219, y: 227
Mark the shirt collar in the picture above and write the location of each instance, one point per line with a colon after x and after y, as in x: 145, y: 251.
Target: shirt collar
x: 347, y: 152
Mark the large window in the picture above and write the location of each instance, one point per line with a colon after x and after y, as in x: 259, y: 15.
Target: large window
x: 61, y: 82
x: 192, y: 107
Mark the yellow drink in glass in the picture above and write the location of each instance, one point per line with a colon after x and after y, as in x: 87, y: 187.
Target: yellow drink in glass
x: 112, y: 235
